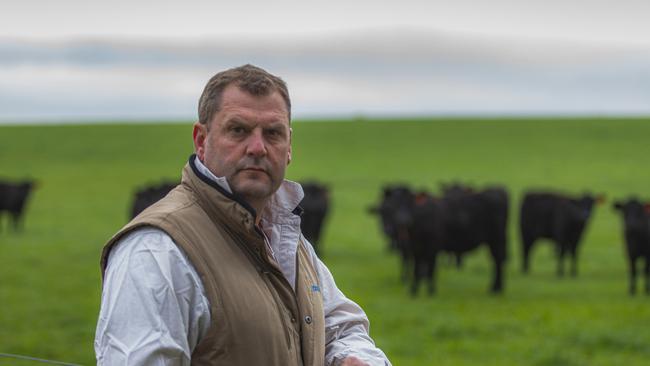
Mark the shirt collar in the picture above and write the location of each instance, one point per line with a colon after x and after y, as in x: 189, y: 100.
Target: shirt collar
x: 281, y: 205
x: 221, y: 181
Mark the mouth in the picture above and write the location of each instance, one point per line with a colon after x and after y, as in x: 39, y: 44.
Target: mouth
x: 254, y: 169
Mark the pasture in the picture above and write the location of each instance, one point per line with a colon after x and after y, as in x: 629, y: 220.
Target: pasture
x: 50, y: 279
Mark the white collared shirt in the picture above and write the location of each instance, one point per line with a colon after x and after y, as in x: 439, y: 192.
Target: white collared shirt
x: 154, y: 309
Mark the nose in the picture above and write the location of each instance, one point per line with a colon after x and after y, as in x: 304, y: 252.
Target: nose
x: 256, y: 146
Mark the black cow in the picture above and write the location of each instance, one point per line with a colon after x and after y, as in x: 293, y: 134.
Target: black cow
x: 557, y: 217
x: 473, y: 218
x: 636, y: 220
x: 455, y: 189
x: 426, y: 239
x: 13, y: 198
x: 149, y: 195
x: 396, y: 215
x: 315, y: 207
x: 457, y: 223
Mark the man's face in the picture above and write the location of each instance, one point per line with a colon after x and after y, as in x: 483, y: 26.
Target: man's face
x: 249, y: 142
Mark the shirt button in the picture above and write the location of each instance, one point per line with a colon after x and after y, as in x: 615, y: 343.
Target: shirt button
x: 308, y: 319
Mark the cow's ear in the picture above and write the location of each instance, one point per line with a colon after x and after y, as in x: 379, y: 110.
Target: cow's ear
x: 646, y: 207
x: 617, y: 205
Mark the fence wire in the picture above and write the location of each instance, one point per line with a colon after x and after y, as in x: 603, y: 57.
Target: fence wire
x: 21, y: 357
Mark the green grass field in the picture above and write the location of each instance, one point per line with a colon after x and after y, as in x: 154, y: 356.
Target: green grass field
x: 50, y: 279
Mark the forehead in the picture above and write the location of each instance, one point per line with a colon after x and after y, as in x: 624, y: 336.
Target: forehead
x: 237, y: 104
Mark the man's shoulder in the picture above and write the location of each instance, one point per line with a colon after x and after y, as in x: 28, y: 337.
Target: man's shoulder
x: 175, y: 201
x: 145, y: 238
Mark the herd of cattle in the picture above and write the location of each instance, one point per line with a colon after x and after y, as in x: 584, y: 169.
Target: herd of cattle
x: 421, y: 226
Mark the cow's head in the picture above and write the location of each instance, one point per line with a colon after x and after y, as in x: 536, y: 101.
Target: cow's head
x: 396, y: 210
x: 635, y: 213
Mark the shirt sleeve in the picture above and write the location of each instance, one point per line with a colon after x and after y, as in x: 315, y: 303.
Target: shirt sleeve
x: 153, y: 308
x: 346, y: 324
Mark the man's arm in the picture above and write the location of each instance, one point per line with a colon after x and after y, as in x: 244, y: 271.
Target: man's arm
x: 347, y: 341
x: 153, y: 310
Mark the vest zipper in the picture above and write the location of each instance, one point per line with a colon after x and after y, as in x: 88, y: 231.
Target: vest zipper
x: 266, y: 269
x: 279, y: 306
x: 277, y: 272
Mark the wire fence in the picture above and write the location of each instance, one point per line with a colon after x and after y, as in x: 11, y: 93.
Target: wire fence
x: 28, y: 358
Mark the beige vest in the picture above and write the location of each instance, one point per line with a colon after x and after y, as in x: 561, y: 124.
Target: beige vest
x: 257, y: 318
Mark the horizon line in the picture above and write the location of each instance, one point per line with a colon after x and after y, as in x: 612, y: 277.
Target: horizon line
x: 346, y: 118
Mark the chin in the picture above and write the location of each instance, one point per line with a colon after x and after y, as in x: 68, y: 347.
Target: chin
x: 257, y: 190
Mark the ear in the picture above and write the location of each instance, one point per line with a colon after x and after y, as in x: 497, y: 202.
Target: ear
x: 289, y: 152
x: 646, y: 207
x: 199, y: 135
x: 420, y: 198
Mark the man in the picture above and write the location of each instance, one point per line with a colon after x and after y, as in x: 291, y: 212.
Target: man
x: 217, y: 272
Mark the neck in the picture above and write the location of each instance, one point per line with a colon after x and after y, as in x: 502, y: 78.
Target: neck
x: 259, y: 208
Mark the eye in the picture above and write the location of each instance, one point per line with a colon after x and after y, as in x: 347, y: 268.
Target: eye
x: 237, y: 130
x: 275, y: 133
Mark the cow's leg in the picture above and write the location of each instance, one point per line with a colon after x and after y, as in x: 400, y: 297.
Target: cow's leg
x: 404, y: 248
x: 497, y: 260
x: 405, y: 268
x: 431, y: 274
x: 404, y: 262
x: 527, y: 245
x: 407, y: 264
x: 392, y: 245
x: 560, y: 250
x: 16, y: 221
x: 459, y: 260
x: 497, y: 284
x: 632, y: 262
x: 647, y: 275
x: 574, y: 260
x: 417, y: 273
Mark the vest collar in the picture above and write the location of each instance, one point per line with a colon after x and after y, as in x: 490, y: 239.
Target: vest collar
x: 282, y: 207
x: 222, y: 181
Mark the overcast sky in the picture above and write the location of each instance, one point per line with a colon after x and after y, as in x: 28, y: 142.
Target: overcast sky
x: 616, y: 21
x: 146, y: 59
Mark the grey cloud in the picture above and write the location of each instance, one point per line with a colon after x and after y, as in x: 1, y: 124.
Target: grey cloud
x: 371, y: 72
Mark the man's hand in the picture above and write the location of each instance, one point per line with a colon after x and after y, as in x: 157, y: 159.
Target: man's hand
x: 353, y: 361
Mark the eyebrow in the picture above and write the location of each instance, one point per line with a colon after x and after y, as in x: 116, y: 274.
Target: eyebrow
x: 236, y: 120
x: 275, y: 125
